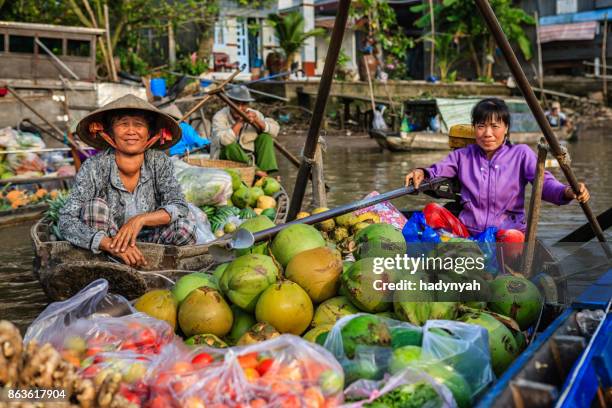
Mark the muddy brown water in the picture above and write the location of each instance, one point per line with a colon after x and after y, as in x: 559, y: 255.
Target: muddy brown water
x: 355, y: 166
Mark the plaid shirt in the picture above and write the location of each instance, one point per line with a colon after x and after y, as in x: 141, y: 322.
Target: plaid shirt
x: 157, y: 189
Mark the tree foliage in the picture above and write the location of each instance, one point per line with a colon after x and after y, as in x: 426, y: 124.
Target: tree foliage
x: 462, y: 20
x: 289, y: 30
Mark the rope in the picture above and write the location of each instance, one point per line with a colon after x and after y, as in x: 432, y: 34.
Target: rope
x: 564, y: 158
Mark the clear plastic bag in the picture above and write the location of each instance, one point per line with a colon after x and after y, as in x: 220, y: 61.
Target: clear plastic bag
x: 204, y: 186
x: 58, y: 316
x: 284, y: 372
x: 462, y: 346
x: 204, y: 233
x: 367, y: 391
x: 370, y: 361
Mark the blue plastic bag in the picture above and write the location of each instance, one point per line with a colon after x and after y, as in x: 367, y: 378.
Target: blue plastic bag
x: 486, y: 242
x: 419, y: 236
x: 190, y: 140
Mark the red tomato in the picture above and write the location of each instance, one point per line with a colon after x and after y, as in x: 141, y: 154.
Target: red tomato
x: 202, y: 359
x: 248, y: 360
x: 264, y: 365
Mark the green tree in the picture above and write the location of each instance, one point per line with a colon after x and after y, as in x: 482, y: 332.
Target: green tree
x: 382, y: 24
x: 289, y: 30
x: 463, y: 21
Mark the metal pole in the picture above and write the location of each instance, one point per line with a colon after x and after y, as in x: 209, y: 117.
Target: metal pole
x: 318, y: 114
x: 536, y: 109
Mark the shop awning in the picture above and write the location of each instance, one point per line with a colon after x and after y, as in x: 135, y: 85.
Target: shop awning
x: 568, y: 32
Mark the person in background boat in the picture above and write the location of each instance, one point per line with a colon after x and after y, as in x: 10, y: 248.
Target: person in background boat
x: 493, y: 174
x: 238, y: 139
x: 556, y: 118
x: 128, y: 192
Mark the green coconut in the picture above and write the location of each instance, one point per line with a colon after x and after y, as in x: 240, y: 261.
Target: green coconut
x: 403, y: 357
x: 247, y: 277
x: 502, y: 345
x: 205, y: 311
x: 243, y: 321
x: 218, y: 272
x: 286, y: 306
x: 270, y: 186
x: 379, y: 240
x: 241, y: 196
x: 253, y: 225
x: 236, y: 180
x: 317, y: 271
x: 188, y: 283
x: 253, y: 196
x: 517, y: 298
x: 293, y: 240
x: 364, y: 330
x: 258, y: 333
x: 332, y: 310
x: 160, y: 304
x: 313, y: 334
x: 444, y: 310
x: 360, y: 286
x: 447, y: 376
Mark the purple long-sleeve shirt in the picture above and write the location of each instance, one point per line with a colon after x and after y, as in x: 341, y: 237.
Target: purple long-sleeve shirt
x: 493, y: 192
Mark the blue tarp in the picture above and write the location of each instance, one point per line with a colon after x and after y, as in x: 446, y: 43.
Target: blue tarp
x: 593, y: 15
x: 190, y: 140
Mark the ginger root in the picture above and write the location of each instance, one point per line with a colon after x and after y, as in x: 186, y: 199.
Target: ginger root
x: 11, y: 348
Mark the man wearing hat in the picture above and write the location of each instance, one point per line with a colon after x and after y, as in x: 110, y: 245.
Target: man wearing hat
x: 239, y: 139
x: 128, y: 192
x: 555, y: 117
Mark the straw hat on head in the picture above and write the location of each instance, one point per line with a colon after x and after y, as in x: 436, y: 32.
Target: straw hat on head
x: 92, y: 129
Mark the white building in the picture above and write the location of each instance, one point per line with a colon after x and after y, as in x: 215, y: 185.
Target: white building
x: 243, y: 34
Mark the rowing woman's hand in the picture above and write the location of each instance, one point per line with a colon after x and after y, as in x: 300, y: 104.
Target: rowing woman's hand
x: 415, y: 177
x: 583, y: 193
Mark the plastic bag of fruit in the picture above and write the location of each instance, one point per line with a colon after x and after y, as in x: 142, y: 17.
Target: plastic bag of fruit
x: 283, y: 372
x: 410, y: 388
x: 364, y: 344
x: 204, y: 233
x: 204, y: 186
x: 463, y: 346
x: 58, y: 316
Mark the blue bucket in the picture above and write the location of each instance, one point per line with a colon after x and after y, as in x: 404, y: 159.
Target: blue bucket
x: 205, y: 83
x: 158, y: 87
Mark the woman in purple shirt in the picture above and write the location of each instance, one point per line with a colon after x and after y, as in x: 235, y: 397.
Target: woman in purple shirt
x: 493, y: 174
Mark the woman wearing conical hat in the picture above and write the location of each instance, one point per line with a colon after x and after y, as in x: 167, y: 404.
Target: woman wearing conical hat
x: 128, y: 192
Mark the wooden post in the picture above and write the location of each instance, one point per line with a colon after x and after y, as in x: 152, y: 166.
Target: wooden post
x: 540, y: 66
x: 534, y: 210
x: 69, y: 136
x: 171, y: 46
x: 319, y: 196
x: 604, y: 55
x: 365, y: 62
x: 113, y: 70
x: 432, y: 57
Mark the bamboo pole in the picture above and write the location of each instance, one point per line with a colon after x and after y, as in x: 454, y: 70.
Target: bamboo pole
x: 534, y: 210
x: 538, y: 113
x: 319, y: 196
x: 102, y: 46
x: 318, y: 113
x: 604, y: 55
x: 432, y: 57
x: 540, y: 65
x: 113, y: 71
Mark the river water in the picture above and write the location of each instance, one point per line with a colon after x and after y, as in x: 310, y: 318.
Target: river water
x: 354, y: 166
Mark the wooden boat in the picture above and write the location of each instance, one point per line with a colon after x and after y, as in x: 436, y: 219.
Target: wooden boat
x: 421, y: 141
x: 31, y: 212
x: 64, y: 269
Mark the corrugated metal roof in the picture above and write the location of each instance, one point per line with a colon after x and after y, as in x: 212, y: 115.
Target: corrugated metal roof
x: 51, y: 27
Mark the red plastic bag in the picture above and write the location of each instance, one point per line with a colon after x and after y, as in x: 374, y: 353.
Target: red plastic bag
x: 439, y: 217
